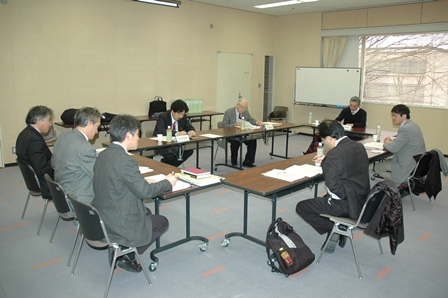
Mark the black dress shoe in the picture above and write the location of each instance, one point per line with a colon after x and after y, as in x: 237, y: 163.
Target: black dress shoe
x: 248, y: 164
x: 342, y: 241
x: 129, y: 265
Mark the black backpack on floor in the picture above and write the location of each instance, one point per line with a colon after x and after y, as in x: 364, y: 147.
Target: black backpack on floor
x: 287, y: 253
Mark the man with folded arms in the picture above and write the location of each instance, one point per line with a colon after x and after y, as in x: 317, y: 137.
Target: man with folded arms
x: 120, y: 190
x: 346, y: 173
x: 408, y: 143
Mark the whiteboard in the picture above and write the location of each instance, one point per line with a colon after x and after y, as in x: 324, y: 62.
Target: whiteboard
x: 328, y: 87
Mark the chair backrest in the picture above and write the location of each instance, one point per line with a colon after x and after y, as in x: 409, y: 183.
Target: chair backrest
x: 31, y: 180
x: 58, y: 195
x: 221, y: 142
x: 51, y: 135
x: 422, y: 166
x: 89, y: 220
x: 282, y: 110
x: 370, y: 206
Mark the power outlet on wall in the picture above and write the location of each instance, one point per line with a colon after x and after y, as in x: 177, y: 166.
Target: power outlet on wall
x: 13, y: 150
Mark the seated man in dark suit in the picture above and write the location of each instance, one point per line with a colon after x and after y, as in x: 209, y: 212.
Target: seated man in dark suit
x: 120, y: 191
x: 31, y: 147
x: 346, y: 173
x: 353, y: 115
x: 180, y: 125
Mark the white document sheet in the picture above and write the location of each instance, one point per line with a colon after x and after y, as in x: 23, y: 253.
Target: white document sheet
x: 294, y: 173
x: 179, y: 184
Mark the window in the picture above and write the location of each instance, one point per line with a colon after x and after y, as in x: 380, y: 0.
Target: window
x: 408, y: 69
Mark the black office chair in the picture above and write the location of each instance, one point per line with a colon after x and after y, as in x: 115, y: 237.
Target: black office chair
x: 64, y: 210
x: 33, y: 186
x: 92, y: 228
x: 345, y: 226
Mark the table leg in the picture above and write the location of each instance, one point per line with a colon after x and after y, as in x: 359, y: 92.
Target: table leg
x: 202, y: 246
x: 244, y: 234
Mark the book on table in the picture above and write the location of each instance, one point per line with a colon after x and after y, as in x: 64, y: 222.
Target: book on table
x: 212, y: 179
x: 195, y: 173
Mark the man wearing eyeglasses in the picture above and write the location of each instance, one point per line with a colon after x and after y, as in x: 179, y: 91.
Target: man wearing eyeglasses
x: 31, y: 147
x: 180, y: 125
x: 233, y: 117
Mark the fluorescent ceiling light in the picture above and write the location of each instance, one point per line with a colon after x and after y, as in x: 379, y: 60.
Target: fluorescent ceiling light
x: 172, y: 3
x: 283, y: 3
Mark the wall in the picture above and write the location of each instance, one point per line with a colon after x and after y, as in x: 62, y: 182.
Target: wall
x: 117, y: 55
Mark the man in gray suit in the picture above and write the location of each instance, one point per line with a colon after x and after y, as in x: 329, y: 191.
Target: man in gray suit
x: 120, y: 190
x: 233, y: 117
x: 346, y: 173
x: 74, y: 156
x: 408, y: 143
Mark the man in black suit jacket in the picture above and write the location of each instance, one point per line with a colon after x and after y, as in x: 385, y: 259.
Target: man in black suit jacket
x: 179, y: 123
x: 31, y: 147
x: 346, y: 173
x: 353, y: 115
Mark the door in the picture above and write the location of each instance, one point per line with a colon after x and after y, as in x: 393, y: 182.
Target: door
x: 234, y: 79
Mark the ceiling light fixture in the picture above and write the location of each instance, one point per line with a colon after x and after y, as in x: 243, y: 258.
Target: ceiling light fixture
x: 283, y: 3
x: 171, y: 3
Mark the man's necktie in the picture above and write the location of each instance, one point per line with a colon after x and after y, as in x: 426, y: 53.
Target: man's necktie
x: 174, y: 126
x: 239, y: 116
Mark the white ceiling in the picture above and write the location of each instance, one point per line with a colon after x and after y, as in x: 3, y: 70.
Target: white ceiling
x: 319, y: 6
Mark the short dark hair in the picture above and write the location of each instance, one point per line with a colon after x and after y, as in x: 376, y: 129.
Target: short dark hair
x: 402, y: 110
x: 121, y: 125
x: 38, y: 112
x: 179, y: 106
x: 331, y: 128
x: 85, y: 115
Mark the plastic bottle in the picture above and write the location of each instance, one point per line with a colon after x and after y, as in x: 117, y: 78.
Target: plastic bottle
x: 320, y: 149
x: 285, y: 257
x: 243, y: 124
x: 378, y: 133
x: 310, y: 118
x: 169, y: 135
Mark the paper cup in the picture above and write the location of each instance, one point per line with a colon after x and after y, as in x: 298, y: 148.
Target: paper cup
x: 159, y: 137
x: 316, y: 122
x: 375, y: 138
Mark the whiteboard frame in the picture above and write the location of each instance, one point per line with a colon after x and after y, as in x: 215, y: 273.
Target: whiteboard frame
x: 322, y: 83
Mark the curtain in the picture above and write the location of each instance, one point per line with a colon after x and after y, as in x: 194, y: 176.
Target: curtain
x: 332, y: 48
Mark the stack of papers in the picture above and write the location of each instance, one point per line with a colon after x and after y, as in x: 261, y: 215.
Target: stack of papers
x: 377, y: 147
x: 294, y: 173
x: 213, y: 179
x: 248, y: 125
x: 179, y: 184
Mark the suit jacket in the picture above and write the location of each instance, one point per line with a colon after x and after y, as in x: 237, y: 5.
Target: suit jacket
x: 119, y: 193
x: 358, y: 120
x: 164, y: 120
x: 409, y: 142
x: 74, y: 158
x: 231, y: 117
x: 388, y: 218
x: 346, y: 174
x: 32, y: 149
